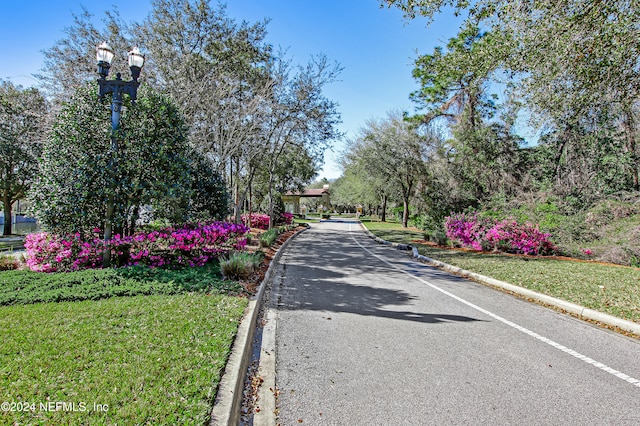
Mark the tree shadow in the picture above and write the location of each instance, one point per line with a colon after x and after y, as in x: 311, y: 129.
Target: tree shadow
x: 315, y: 294
x: 325, y: 273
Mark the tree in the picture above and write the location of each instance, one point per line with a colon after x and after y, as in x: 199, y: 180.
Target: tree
x: 74, y: 182
x: 23, y: 117
x: 393, y: 151
x: 215, y: 69
x: 453, y: 83
x: 209, y: 198
x: 572, y: 62
x: 356, y: 187
x: 71, y: 62
x: 300, y: 117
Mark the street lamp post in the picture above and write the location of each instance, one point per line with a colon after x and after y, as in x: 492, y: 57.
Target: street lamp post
x: 117, y: 87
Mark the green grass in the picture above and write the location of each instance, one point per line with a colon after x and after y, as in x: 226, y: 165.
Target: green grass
x: 21, y: 287
x: 149, y: 344
x: 611, y: 289
x: 392, y: 231
x: 149, y: 359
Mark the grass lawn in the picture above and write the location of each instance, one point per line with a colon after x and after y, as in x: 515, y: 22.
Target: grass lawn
x: 114, y: 346
x: 606, y: 288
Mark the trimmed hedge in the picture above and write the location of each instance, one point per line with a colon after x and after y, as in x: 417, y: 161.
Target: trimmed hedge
x: 24, y: 287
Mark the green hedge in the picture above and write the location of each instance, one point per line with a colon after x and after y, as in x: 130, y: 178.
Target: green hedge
x: 23, y: 287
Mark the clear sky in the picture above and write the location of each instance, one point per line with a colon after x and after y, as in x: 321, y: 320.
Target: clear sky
x: 375, y: 46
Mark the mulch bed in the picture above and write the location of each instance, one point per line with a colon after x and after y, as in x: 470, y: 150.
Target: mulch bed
x: 253, y: 282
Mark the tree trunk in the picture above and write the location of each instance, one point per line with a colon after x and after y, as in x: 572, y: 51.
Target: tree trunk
x: 250, y: 203
x: 405, y: 212
x: 236, y: 197
x: 270, y: 194
x: 629, y: 131
x: 383, y: 217
x: 7, y: 215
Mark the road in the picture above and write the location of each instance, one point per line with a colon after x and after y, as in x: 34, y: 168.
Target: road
x: 365, y: 335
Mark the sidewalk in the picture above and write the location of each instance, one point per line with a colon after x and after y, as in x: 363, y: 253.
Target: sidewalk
x: 12, y: 245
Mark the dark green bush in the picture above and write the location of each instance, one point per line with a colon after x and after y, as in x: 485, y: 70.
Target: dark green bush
x: 23, y: 287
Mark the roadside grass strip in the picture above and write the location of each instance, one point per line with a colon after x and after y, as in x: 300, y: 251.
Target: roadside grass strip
x: 125, y: 360
x: 611, y: 289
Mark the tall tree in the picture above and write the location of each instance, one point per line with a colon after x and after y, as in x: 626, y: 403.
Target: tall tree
x: 394, y: 151
x: 215, y: 70
x: 71, y: 61
x: 300, y: 116
x: 573, y: 61
x: 454, y: 82
x: 23, y: 118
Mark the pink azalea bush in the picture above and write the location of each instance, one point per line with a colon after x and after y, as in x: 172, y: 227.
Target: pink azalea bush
x: 261, y: 221
x: 189, y: 245
x: 256, y: 220
x: 50, y: 253
x: 471, y: 230
x: 287, y: 218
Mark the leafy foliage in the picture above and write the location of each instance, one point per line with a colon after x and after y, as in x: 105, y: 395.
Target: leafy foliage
x: 269, y: 237
x: 239, y: 265
x: 75, y: 179
x: 396, y: 153
x: 22, y: 128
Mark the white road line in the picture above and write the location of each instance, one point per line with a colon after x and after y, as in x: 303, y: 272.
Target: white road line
x: 535, y: 335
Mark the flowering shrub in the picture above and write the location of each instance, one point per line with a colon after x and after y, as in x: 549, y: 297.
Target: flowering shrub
x: 287, y: 218
x: 189, y: 245
x: 470, y: 230
x: 467, y: 229
x: 508, y: 235
x: 261, y: 221
x: 51, y: 253
x: 258, y: 220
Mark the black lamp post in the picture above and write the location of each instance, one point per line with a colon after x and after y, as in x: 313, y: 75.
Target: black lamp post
x: 117, y: 87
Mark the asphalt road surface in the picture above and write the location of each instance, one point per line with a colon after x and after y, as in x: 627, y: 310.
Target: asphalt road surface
x: 365, y: 335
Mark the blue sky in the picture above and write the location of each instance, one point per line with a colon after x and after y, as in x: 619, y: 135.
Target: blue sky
x: 375, y: 46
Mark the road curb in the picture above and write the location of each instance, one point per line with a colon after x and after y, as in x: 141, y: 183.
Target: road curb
x: 228, y: 403
x: 581, y: 311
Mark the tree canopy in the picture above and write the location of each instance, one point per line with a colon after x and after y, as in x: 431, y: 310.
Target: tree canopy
x: 250, y: 116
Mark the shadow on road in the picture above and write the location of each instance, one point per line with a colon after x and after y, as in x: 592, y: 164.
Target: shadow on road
x: 326, y: 276
x: 337, y: 296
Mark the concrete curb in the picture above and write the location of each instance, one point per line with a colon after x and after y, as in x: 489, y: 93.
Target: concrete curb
x: 581, y: 311
x: 228, y: 403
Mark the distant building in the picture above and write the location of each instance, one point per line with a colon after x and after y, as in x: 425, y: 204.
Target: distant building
x: 291, y: 200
